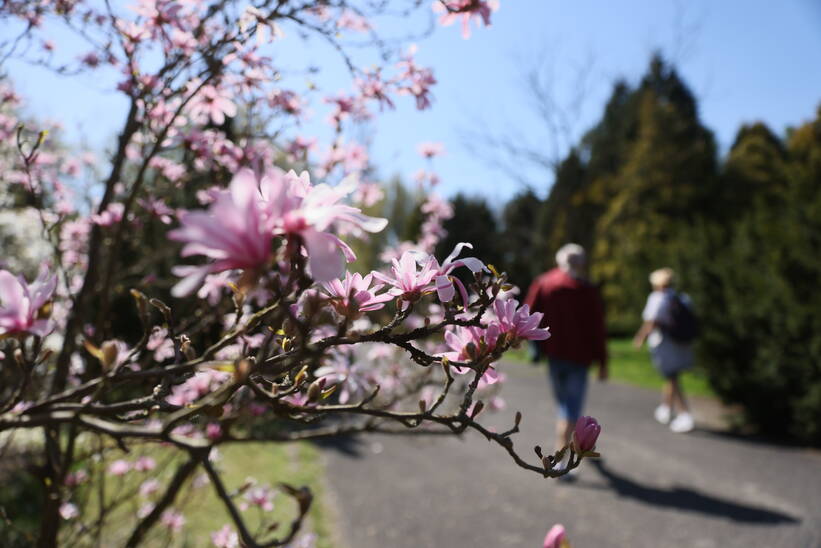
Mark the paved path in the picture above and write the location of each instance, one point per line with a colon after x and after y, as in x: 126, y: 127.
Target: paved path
x: 652, y: 489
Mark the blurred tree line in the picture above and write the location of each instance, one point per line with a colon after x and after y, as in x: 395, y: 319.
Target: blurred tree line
x: 645, y: 188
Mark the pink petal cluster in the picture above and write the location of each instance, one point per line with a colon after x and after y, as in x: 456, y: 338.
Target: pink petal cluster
x: 416, y: 274
x: 430, y: 149
x: 465, y: 10
x: 556, y: 537
x: 69, y: 510
x: 119, y: 467
x: 240, y: 225
x: 518, y: 322
x: 225, y: 538
x: 172, y: 519
x: 585, y: 434
x: 261, y: 497
x: 354, y: 295
x: 213, y: 103
x: 470, y: 344
x: 21, y: 303
x: 236, y: 232
x: 196, y: 387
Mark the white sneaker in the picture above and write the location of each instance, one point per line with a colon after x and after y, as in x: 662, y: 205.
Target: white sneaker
x: 682, y: 423
x: 662, y: 414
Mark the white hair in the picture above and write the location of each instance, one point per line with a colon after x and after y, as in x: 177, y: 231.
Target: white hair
x: 571, y: 257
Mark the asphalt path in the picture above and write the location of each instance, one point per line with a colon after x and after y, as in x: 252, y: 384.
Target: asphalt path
x: 652, y: 488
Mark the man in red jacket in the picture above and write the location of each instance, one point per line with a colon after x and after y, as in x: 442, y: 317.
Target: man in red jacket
x: 574, y: 311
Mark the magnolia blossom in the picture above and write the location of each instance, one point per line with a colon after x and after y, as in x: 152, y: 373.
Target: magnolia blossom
x: 196, y: 387
x: 149, y: 487
x: 261, y: 497
x: 430, y: 149
x: 225, y: 538
x: 69, y: 510
x: 309, y: 211
x: 585, y: 434
x: 214, y: 103
x: 519, y: 323
x: 172, y: 519
x: 354, y: 295
x: 465, y: 10
x: 145, y: 464
x: 239, y: 227
x: 471, y: 344
x: 21, y: 304
x: 119, y: 467
x: 409, y: 281
x: 236, y: 232
x: 446, y: 285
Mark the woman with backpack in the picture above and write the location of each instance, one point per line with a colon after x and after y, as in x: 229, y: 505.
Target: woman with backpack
x: 669, y: 328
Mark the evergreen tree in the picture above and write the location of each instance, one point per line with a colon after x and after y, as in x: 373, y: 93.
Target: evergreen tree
x: 662, y: 189
x: 473, y: 221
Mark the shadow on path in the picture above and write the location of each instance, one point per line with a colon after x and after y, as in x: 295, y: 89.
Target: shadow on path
x: 349, y: 445
x: 683, y: 498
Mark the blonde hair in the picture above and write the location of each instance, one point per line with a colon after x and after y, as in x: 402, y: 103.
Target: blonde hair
x: 663, y: 277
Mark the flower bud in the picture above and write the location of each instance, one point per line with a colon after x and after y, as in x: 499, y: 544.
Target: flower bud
x: 109, y: 353
x: 315, y: 389
x: 585, y: 434
x: 242, y: 370
x: 556, y: 537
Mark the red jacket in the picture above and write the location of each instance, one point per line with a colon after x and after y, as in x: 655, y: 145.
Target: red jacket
x: 574, y: 312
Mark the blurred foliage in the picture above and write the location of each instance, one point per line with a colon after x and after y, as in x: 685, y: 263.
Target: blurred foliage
x: 644, y: 189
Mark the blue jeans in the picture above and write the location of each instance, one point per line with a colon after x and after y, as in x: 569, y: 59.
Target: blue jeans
x: 569, y: 381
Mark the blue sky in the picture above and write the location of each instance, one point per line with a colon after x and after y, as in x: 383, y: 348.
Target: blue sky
x: 745, y: 61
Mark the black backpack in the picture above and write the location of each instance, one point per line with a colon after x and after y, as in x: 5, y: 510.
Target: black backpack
x: 683, y: 327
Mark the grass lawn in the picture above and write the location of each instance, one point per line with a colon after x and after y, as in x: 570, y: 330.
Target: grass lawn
x: 631, y: 366
x: 297, y: 464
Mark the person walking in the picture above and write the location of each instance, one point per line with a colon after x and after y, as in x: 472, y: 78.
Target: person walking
x: 669, y: 328
x: 574, y: 311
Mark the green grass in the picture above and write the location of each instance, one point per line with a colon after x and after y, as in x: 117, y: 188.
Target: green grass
x: 629, y: 365
x: 297, y: 464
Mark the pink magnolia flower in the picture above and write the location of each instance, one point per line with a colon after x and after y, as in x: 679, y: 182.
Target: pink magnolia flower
x: 470, y: 344
x: 354, y: 295
x: 213, y: 431
x: 73, y: 479
x: 214, y: 103
x: 172, y: 519
x: 225, y: 538
x: 69, y: 511
x: 308, y: 211
x: 465, y: 10
x: 585, y: 434
x: 288, y: 101
x: 368, y: 194
x: 446, y: 285
x: 145, y: 464
x: 416, y: 81
x: 119, y: 467
x: 149, y: 487
x: 196, y: 387
x: 518, y: 321
x: 21, y: 303
x: 408, y: 281
x: 236, y: 232
x: 352, y: 21
x: 430, y: 149
x: 261, y: 497
x: 111, y: 215
x: 556, y: 537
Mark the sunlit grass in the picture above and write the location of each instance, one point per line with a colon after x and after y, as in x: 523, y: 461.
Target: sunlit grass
x: 633, y: 366
x: 297, y: 464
